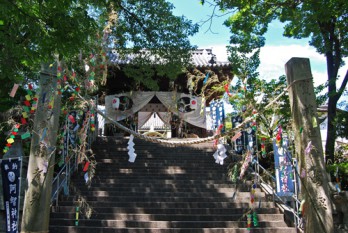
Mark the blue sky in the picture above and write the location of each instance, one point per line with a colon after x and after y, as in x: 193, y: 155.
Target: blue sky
x: 274, y: 55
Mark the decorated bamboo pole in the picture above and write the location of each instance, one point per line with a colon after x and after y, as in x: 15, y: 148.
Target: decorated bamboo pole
x: 308, y: 147
x: 36, y: 210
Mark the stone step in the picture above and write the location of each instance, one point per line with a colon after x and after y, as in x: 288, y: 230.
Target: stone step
x: 146, y: 188
x: 79, y: 229
x: 168, y: 189
x: 172, y: 198
x: 156, y: 182
x: 168, y: 217
x: 167, y: 211
x: 169, y: 193
x: 167, y: 204
x: 163, y: 224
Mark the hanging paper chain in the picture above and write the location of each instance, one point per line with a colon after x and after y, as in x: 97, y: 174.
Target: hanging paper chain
x: 248, y: 222
x: 279, y: 137
x: 255, y: 219
x: 263, y: 147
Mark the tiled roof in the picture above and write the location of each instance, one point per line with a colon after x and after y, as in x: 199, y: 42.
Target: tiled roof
x: 206, y: 57
x: 200, y: 58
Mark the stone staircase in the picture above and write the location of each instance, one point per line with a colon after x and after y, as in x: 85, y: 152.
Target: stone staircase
x: 167, y: 189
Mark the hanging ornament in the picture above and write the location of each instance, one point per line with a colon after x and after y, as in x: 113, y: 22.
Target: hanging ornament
x: 92, y: 121
x: 130, y: 148
x: 248, y: 222
x: 206, y: 78
x: 11, y: 139
x: 253, y: 124
x: 263, y: 147
x: 220, y: 154
x: 255, y: 219
x: 226, y: 86
x: 77, y: 216
x: 279, y: 137
x: 14, y: 90
x: 245, y: 164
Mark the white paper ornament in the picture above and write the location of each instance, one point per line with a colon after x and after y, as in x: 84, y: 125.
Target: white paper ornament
x: 220, y: 154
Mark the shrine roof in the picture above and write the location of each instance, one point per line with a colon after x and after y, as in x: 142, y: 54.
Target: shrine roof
x: 200, y: 58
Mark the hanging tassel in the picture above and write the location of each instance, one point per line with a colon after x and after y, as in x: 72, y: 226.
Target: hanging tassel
x: 77, y: 216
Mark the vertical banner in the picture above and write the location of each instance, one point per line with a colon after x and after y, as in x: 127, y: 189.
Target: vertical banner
x: 283, y: 169
x: 239, y: 142
x: 10, y: 171
x: 217, y: 112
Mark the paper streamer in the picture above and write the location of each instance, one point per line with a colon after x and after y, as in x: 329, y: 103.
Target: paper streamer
x: 10, y: 140
x: 236, y: 136
x: 27, y: 103
x: 43, y: 134
x: 72, y: 119
x: 206, y: 78
x: 86, y: 177
x: 85, y: 168
x: 26, y: 135
x: 14, y: 90
x: 44, y: 167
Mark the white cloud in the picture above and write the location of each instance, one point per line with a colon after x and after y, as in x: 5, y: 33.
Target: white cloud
x: 273, y: 60
x: 219, y: 50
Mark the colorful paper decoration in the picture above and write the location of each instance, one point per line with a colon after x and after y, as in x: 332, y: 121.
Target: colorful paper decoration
x: 252, y: 193
x: 77, y: 210
x: 226, y: 86
x: 86, y: 166
x: 26, y: 135
x: 279, y: 136
x: 92, y: 121
x: 248, y: 222
x: 263, y: 147
x: 245, y: 164
x: 308, y: 148
x: 206, y: 78
x: 14, y: 90
x: 255, y: 219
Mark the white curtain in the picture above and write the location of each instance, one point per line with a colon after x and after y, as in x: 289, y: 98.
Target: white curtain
x: 168, y: 99
x: 143, y: 117
x: 165, y: 117
x: 139, y: 99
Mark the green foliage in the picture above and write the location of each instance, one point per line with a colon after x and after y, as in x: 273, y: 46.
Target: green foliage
x: 324, y: 22
x: 339, y: 171
x: 155, y: 36
x: 35, y: 31
x: 257, y: 95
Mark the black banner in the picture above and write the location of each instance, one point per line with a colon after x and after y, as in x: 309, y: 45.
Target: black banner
x: 10, y: 171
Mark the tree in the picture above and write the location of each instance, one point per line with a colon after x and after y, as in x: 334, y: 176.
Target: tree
x: 34, y: 32
x: 324, y: 22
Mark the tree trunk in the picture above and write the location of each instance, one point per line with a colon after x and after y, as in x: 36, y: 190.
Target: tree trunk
x: 331, y: 131
x: 332, y: 70
x: 36, y: 209
x: 314, y: 182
